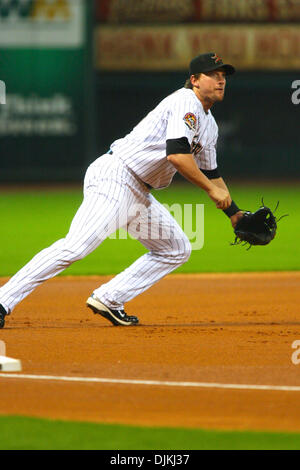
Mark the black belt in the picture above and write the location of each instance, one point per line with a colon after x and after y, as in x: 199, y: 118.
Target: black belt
x: 110, y: 152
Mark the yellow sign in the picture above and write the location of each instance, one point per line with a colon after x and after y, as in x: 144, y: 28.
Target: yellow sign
x: 42, y: 23
x: 51, y: 10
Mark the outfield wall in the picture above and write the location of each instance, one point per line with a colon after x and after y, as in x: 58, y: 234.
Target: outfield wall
x: 46, y: 65
x: 258, y: 121
x: 79, y: 74
x: 258, y: 127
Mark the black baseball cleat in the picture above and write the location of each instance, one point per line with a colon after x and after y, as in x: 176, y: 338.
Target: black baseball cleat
x: 116, y: 317
x: 3, y: 312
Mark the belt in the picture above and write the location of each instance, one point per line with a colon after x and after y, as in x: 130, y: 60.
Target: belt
x: 148, y: 186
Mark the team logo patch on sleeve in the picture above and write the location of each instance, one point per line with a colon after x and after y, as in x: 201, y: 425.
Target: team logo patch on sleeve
x: 190, y: 120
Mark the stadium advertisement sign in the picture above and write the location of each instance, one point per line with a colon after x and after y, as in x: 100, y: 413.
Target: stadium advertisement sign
x: 218, y: 11
x: 42, y: 62
x: 163, y: 48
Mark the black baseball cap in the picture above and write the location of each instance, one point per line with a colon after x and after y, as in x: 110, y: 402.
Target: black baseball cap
x: 209, y: 62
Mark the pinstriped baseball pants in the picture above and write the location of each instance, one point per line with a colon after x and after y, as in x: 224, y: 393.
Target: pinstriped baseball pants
x: 113, y: 198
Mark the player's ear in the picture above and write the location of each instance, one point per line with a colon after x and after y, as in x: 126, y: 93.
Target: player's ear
x: 195, y: 80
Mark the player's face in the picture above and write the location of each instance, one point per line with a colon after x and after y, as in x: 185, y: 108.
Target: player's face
x: 211, y: 85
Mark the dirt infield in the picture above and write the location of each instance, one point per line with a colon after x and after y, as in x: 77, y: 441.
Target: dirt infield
x: 208, y: 328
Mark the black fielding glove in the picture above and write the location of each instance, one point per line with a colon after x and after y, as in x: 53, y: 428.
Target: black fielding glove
x: 256, y: 228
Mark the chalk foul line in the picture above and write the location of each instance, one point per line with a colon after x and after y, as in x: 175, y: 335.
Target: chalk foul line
x: 159, y: 383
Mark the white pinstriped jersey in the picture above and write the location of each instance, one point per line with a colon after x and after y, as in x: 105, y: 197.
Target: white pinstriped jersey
x: 180, y: 114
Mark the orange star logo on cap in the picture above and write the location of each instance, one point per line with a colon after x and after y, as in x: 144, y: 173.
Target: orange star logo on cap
x: 216, y: 58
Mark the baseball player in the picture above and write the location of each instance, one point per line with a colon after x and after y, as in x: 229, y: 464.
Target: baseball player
x: 180, y: 134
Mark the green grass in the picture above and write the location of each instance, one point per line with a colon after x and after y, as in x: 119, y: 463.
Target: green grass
x: 19, y: 433
x: 33, y: 220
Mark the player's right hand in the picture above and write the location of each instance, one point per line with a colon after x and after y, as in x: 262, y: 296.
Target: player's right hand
x: 220, y: 197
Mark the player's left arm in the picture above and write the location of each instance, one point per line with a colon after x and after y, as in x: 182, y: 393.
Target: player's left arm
x: 220, y: 183
x: 208, y: 156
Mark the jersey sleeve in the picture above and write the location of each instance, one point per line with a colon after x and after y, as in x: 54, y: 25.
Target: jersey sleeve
x: 182, y: 119
x: 207, y: 159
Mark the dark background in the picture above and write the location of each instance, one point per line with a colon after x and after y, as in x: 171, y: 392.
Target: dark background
x: 258, y: 123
